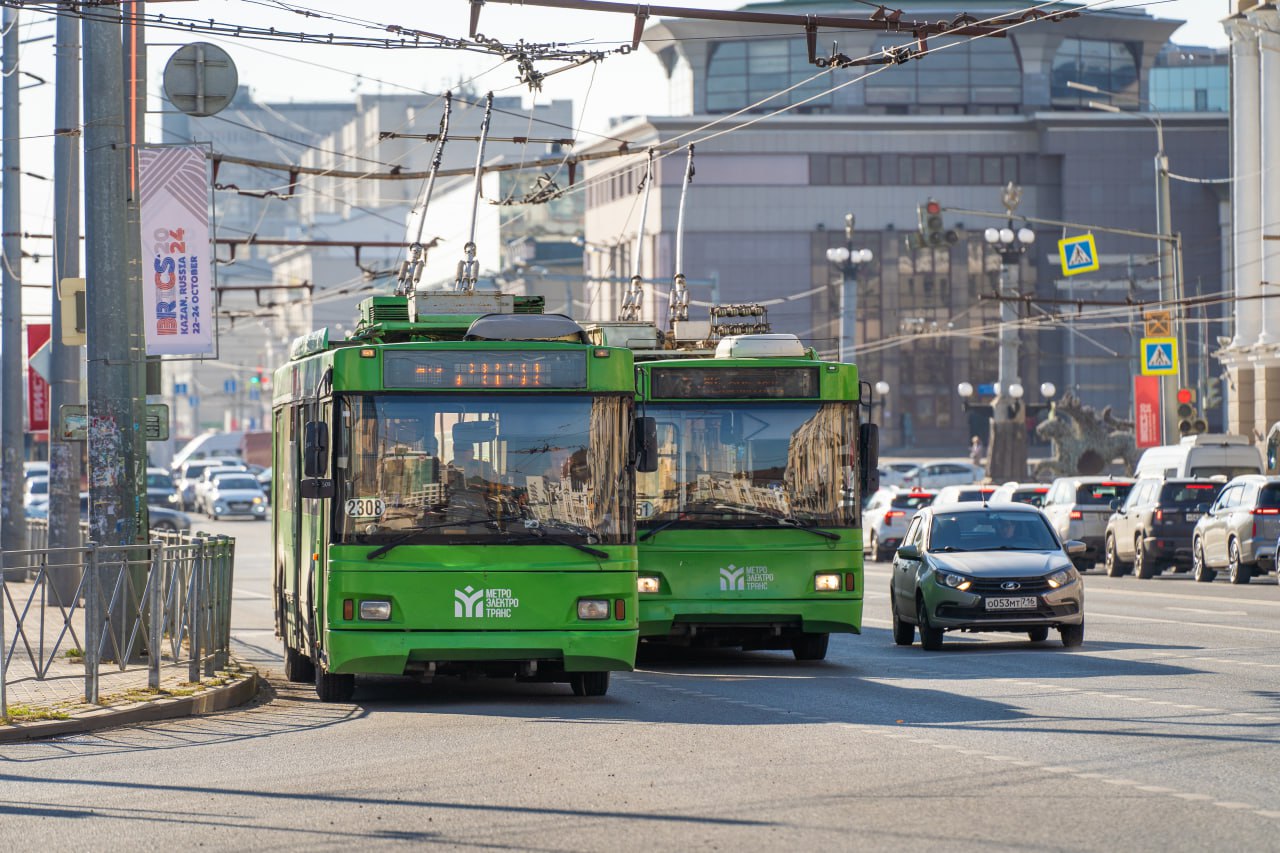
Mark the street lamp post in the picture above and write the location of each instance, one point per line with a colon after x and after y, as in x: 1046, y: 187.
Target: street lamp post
x: 1170, y: 250
x: 848, y: 259
x: 1007, y: 446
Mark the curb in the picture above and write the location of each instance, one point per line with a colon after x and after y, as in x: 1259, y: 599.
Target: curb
x: 165, y: 708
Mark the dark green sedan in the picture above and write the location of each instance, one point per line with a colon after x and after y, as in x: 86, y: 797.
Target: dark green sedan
x: 985, y: 567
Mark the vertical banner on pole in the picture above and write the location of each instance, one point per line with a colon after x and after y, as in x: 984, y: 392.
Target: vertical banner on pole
x: 177, y: 274
x: 1146, y: 411
x: 37, y: 385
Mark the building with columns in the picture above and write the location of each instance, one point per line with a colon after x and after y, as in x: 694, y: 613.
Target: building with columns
x: 1252, y: 357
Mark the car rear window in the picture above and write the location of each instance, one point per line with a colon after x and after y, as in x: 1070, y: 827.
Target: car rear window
x: 911, y: 500
x: 974, y: 494
x: 1035, y: 497
x: 1101, y: 494
x: 1190, y: 494
x: 1228, y: 471
x: 1269, y: 497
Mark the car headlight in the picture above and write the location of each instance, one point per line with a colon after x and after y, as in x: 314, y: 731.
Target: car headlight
x: 648, y: 584
x: 954, y: 581
x: 593, y: 608
x: 1062, y: 577
x: 826, y: 582
x: 173, y: 499
x: 257, y: 500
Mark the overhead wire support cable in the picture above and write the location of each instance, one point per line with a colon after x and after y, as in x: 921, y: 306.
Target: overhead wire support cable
x: 634, y: 294
x: 469, y: 267
x: 678, y: 307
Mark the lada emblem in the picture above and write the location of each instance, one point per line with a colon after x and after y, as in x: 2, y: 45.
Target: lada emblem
x: 1011, y: 585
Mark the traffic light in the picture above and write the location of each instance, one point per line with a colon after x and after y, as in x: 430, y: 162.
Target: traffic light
x: 1189, y: 420
x: 933, y: 232
x: 1212, y: 393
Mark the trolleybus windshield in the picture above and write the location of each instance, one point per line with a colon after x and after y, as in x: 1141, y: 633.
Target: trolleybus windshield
x: 748, y: 464
x: 468, y: 469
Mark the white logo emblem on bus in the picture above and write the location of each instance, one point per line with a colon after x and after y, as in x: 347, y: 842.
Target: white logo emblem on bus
x: 732, y: 579
x: 468, y: 604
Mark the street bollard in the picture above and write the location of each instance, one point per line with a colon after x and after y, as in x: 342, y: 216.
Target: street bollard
x: 92, y: 625
x: 156, y: 610
x: 193, y: 612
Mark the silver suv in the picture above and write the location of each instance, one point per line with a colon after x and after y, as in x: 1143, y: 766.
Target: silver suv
x: 1079, y: 508
x: 1239, y: 531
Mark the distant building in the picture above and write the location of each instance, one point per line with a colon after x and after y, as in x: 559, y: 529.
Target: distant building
x: 769, y: 198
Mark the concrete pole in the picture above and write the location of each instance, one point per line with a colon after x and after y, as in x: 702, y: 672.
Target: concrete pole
x: 134, y: 71
x: 13, y: 524
x: 1267, y: 367
x: 114, y: 433
x: 1246, y: 188
x: 64, y: 381
x: 1166, y: 271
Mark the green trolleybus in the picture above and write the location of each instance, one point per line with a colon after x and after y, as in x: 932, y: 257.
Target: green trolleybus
x: 749, y: 528
x: 453, y: 492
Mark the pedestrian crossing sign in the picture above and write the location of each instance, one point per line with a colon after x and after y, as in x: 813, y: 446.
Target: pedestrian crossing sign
x: 1159, y: 356
x: 1078, y: 254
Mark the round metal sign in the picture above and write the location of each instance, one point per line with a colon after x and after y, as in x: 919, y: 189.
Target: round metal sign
x: 200, y: 79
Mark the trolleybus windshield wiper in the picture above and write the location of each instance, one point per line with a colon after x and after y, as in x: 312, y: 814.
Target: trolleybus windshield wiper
x: 409, y: 533
x: 536, y: 529
x: 785, y: 521
x: 680, y: 516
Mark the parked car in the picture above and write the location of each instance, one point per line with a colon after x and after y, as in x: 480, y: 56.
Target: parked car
x: 235, y: 494
x: 1021, y: 493
x: 985, y: 567
x: 161, y: 489
x: 264, y: 480
x: 1239, y: 531
x: 189, y: 475
x: 933, y: 475
x: 35, y: 490
x: 162, y: 518
x: 35, y: 469
x: 1152, y: 529
x: 1080, y: 507
x: 896, y: 473
x: 885, y: 518
x: 210, y: 478
x: 964, y: 494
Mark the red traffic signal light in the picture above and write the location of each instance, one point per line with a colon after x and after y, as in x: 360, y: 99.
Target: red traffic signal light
x: 933, y: 208
x: 1185, y: 395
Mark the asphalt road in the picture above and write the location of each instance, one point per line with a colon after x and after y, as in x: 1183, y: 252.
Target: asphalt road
x: 1161, y: 733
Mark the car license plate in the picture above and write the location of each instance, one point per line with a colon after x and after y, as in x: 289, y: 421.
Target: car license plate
x: 1194, y: 516
x: 1022, y: 602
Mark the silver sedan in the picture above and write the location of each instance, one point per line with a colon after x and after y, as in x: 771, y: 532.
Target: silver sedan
x: 985, y: 567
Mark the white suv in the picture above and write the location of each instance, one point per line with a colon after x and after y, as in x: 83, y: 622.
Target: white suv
x: 885, y: 519
x: 933, y: 475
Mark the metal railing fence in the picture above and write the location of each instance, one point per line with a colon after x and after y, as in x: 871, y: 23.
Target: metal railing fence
x: 92, y: 609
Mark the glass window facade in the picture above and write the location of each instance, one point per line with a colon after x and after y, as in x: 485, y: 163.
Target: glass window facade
x: 1109, y: 65
x: 740, y: 73
x: 983, y: 71
x: 1198, y: 88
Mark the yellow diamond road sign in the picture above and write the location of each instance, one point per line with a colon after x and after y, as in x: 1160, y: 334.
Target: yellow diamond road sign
x: 1159, y: 356
x: 1078, y: 254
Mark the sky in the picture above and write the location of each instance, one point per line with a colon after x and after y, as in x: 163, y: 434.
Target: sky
x: 619, y: 85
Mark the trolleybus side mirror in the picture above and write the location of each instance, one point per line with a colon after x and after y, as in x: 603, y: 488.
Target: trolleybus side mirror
x: 869, y: 458
x: 315, y: 449
x: 645, y: 445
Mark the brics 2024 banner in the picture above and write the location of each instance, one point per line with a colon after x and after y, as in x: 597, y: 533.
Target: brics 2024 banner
x: 177, y: 268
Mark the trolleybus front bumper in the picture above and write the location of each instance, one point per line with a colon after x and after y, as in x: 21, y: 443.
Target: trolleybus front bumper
x: 385, y: 653
x: 673, y: 616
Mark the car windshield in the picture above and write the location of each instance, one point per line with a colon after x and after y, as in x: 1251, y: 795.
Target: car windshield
x: 229, y: 483
x: 742, y: 464
x: 469, y: 468
x: 1184, y: 495
x: 1101, y: 494
x: 194, y: 471
x: 990, y: 530
x: 911, y: 500
x: 159, y: 481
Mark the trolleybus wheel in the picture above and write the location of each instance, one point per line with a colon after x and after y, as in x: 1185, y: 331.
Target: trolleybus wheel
x: 334, y: 686
x: 810, y: 646
x: 298, y: 668
x: 589, y: 683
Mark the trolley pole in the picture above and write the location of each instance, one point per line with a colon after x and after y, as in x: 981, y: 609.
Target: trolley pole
x: 64, y: 361
x: 13, y: 528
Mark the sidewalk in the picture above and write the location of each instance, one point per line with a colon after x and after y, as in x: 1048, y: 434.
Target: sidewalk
x: 55, y: 704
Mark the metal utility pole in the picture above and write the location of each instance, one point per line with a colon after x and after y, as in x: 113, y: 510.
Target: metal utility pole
x: 64, y: 361
x: 114, y: 432
x: 134, y: 70
x: 13, y: 526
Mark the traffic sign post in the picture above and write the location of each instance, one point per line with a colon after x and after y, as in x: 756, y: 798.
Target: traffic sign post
x: 1078, y: 254
x: 1159, y: 356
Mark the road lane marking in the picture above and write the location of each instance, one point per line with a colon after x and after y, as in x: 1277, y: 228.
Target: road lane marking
x: 1093, y: 614
x: 1209, y: 612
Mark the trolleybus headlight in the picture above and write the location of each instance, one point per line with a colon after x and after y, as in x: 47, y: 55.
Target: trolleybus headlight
x: 827, y: 583
x: 644, y: 584
x: 593, y: 608
x: 959, y: 582
x: 375, y: 610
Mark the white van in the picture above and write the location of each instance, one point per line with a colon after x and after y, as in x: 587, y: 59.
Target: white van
x: 1204, y: 455
x: 207, y: 445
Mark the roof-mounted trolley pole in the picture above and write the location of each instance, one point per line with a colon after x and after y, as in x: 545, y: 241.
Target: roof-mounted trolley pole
x: 469, y: 267
x: 678, y: 308
x: 635, y: 292
x: 411, y: 269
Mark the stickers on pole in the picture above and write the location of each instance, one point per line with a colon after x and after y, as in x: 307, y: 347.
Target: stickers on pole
x: 1159, y: 356
x: 1078, y: 254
